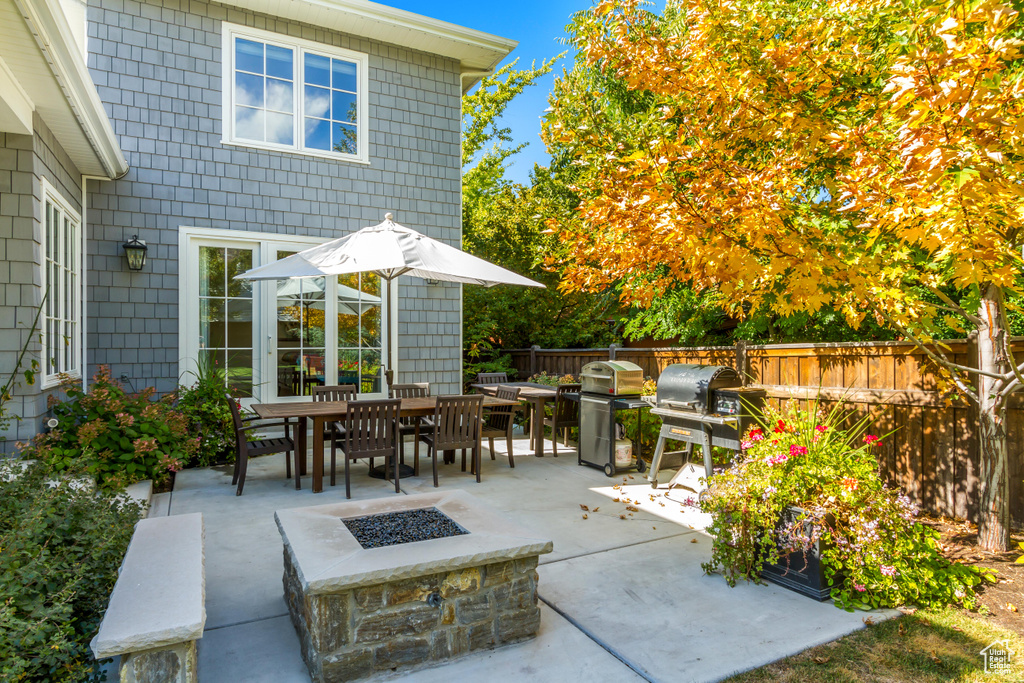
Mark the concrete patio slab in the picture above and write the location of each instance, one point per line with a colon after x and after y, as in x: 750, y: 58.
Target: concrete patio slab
x: 653, y: 606
x: 630, y: 589
x: 267, y: 651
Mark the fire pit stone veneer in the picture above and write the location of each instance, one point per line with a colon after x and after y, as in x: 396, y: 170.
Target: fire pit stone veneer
x: 359, y: 611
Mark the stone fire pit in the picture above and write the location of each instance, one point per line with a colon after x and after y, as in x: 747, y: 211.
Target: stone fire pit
x: 360, y: 609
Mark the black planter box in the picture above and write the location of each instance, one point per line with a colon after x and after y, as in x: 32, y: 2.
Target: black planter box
x: 800, y: 571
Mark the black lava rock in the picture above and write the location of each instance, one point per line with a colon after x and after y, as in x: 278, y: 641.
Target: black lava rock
x: 410, y: 526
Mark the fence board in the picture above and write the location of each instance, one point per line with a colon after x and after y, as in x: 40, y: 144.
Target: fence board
x: 932, y: 449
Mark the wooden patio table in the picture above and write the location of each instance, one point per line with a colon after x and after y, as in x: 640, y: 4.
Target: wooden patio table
x: 534, y: 394
x: 322, y: 412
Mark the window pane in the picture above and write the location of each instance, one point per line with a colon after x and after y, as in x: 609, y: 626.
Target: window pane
x: 318, y: 70
x: 289, y: 323
x: 238, y: 261
x: 318, y: 102
x: 239, y: 364
x: 211, y: 271
x: 343, y: 106
x: 288, y: 373
x: 279, y: 95
x: 313, y: 324
x: 249, y: 55
x: 279, y: 62
x: 280, y: 128
x: 318, y: 134
x: 344, y: 75
x: 348, y: 366
x: 344, y: 138
x: 239, y: 323
x: 211, y: 324
x: 249, y: 123
x: 369, y: 372
x: 370, y: 327
x: 249, y: 90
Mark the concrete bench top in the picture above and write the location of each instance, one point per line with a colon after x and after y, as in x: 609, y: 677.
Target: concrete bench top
x: 160, y: 594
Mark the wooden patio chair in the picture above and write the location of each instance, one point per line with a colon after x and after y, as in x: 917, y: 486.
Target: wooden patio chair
x: 498, y: 422
x: 456, y: 426
x: 371, y: 431
x: 491, y: 378
x: 336, y: 392
x: 410, y: 425
x: 247, y: 448
x: 566, y: 414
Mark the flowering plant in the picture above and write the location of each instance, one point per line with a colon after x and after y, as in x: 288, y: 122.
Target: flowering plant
x: 116, y: 437
x: 822, y: 466
x: 205, y: 405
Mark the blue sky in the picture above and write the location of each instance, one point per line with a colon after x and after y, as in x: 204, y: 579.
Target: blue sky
x: 537, y: 25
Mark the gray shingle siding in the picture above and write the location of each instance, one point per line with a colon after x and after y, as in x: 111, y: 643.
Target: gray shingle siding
x: 24, y: 161
x: 157, y: 66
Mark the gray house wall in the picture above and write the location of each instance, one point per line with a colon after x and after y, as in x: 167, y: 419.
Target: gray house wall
x: 157, y: 66
x: 24, y: 161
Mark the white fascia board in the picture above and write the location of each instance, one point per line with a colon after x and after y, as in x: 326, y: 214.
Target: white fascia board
x: 50, y: 28
x: 477, y: 51
x: 16, y: 106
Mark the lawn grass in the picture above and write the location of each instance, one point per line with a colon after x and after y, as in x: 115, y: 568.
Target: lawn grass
x: 924, y: 647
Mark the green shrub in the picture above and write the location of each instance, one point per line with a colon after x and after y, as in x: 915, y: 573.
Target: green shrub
x: 116, y: 437
x: 205, y: 407
x: 60, y: 549
x: 874, y: 552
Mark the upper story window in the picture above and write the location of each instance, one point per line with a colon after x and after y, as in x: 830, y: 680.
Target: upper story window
x: 293, y: 95
x: 62, y: 312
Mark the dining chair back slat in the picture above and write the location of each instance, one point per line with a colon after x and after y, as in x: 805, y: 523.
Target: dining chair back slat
x: 337, y: 392
x: 410, y: 390
x: 456, y: 425
x: 498, y: 422
x: 246, y: 448
x: 566, y: 414
x: 492, y: 378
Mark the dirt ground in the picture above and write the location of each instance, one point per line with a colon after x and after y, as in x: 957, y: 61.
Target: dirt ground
x: 1003, y: 601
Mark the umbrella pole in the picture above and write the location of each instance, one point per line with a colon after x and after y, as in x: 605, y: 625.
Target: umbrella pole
x: 389, y: 372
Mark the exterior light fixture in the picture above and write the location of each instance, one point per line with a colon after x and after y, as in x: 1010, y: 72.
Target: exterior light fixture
x: 135, y: 251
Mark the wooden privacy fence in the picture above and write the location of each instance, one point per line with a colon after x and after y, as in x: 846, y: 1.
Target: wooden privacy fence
x: 932, y: 448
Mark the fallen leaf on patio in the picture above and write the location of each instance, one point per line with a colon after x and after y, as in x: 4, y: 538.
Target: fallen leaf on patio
x: 584, y: 515
x: 693, y: 540
x: 868, y: 621
x: 622, y: 516
x: 821, y: 660
x: 615, y: 500
x: 654, y: 527
x: 934, y: 657
x: 632, y: 508
x: 595, y: 509
x: 630, y: 476
x: 583, y: 507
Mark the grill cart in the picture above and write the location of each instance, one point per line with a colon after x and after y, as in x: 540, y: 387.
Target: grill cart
x: 606, y: 388
x: 704, y: 405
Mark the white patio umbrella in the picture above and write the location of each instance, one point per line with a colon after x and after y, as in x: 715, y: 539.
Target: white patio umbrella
x: 389, y: 250
x: 350, y: 301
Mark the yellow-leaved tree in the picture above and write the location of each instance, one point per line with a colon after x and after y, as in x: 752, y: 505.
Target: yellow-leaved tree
x: 865, y: 155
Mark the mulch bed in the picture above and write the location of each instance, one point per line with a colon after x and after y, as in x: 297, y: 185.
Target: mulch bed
x: 1003, y: 601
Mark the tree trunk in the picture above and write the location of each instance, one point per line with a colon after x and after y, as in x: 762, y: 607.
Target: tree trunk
x: 994, y: 512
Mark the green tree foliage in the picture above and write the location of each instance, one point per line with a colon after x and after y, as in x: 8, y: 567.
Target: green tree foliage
x: 504, y: 222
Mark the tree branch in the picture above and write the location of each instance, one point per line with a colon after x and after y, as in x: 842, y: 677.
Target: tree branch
x: 951, y: 305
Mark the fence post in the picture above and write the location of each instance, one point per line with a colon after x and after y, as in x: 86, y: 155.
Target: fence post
x: 533, y: 359
x: 742, y: 365
x: 612, y: 348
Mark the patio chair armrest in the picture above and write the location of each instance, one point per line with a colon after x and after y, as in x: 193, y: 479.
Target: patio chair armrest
x: 283, y: 423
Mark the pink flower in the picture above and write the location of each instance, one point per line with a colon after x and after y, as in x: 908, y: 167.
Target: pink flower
x: 870, y: 439
x: 756, y: 434
x: 795, y: 450
x: 746, y: 444
x: 778, y: 459
x: 859, y: 588
x: 125, y: 420
x: 887, y: 570
x: 820, y: 428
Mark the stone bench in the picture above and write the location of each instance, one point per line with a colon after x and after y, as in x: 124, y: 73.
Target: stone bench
x: 157, y: 610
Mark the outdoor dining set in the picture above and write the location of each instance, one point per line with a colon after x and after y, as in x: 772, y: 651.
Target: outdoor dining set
x: 366, y: 429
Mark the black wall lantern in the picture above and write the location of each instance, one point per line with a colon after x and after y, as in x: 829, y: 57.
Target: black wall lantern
x: 135, y: 251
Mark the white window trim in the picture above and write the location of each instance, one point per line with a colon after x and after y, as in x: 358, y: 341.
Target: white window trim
x: 50, y: 194
x: 228, y: 34
x: 264, y: 243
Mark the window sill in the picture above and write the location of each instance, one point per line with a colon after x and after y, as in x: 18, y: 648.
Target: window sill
x: 53, y: 381
x: 298, y: 152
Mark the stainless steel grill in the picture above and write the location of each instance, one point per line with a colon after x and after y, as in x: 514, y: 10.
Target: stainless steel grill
x: 703, y: 405
x: 605, y: 388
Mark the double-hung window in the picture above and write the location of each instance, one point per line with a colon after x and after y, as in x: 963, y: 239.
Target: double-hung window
x: 61, y: 318
x: 293, y: 95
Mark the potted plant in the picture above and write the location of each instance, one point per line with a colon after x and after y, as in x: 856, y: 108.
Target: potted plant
x: 803, y: 505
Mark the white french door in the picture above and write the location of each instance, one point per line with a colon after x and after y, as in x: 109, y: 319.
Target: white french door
x: 275, y: 340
